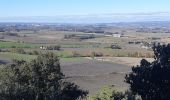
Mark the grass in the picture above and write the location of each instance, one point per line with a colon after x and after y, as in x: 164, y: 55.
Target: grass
x: 86, y: 52
x: 7, y: 44
x: 64, y: 54
x: 85, y: 46
x: 11, y: 56
x: 74, y: 59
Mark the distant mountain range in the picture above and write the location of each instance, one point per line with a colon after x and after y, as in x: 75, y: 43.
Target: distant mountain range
x: 93, y: 18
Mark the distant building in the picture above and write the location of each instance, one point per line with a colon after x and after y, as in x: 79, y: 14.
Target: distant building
x: 118, y: 35
x: 108, y: 35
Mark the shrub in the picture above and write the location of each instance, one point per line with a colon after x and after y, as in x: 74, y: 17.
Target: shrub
x: 96, y: 54
x: 108, y: 93
x: 151, y: 80
x: 75, y: 54
x: 56, y: 47
x: 18, y: 50
x: 40, y: 79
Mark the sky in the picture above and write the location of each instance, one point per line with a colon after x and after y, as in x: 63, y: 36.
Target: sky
x: 20, y: 8
x: 54, y: 8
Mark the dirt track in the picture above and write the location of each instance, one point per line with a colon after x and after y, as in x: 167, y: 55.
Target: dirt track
x: 129, y: 61
x: 93, y: 75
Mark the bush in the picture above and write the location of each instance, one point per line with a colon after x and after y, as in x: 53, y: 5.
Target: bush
x: 96, y: 54
x: 12, y: 34
x: 76, y: 54
x: 56, y: 47
x: 40, y: 79
x: 35, y: 52
x: 108, y: 93
x: 151, y: 80
x: 18, y: 50
x: 115, y: 47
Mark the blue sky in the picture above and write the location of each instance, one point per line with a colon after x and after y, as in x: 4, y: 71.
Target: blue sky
x: 19, y: 8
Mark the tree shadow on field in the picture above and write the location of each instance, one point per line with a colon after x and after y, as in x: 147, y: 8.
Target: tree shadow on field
x: 3, y: 62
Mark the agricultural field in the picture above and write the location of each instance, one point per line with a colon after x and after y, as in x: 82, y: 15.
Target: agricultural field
x: 91, y: 60
x: 92, y: 74
x: 8, y: 44
x: 11, y: 56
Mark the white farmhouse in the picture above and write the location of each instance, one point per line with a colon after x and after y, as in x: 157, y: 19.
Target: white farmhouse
x: 117, y: 35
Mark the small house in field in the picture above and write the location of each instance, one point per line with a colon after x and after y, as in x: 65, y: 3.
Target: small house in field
x: 117, y: 35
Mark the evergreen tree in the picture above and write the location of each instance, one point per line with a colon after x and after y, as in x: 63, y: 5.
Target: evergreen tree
x: 40, y: 79
x: 152, y: 80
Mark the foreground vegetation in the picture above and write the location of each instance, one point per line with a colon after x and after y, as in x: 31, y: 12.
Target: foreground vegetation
x: 151, y: 80
x: 39, y: 79
x: 109, y: 93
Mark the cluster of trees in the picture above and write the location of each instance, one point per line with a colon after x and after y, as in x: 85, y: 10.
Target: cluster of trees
x: 91, y: 54
x: 22, y: 51
x: 55, y: 47
x: 40, y: 79
x: 96, y: 54
x: 152, y: 80
x: 113, y: 46
x: 141, y: 55
x: 79, y: 36
x: 11, y: 34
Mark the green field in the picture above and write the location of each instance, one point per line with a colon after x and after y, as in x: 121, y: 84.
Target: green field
x: 11, y: 56
x: 85, y: 46
x: 7, y: 44
x: 74, y: 59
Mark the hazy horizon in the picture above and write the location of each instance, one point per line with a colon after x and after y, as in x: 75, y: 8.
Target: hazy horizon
x: 84, y: 11
x: 93, y: 18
